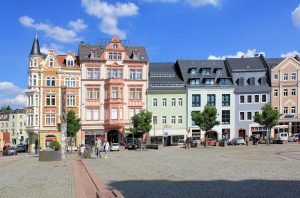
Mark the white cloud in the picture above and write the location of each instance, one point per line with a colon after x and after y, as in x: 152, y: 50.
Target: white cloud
x: 193, y: 3
x: 249, y: 53
x: 290, y: 54
x: 296, y: 16
x: 78, y: 25
x: 109, y: 14
x: 10, y: 88
x: 59, y: 49
x: 19, y: 100
x: 54, y: 32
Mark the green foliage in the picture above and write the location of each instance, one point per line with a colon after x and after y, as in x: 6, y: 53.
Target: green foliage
x: 206, y: 119
x: 269, y: 116
x: 73, y: 124
x: 5, y: 108
x: 141, y: 123
x: 55, y: 145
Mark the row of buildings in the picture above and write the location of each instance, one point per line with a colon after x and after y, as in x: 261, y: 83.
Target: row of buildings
x: 107, y: 84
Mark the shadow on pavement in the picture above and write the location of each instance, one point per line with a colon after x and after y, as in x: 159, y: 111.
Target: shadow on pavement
x: 218, y: 188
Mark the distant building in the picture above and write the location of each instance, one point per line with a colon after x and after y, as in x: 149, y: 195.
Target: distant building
x: 17, y: 127
x: 285, y: 75
x: 252, y: 90
x: 53, y: 85
x: 4, y: 128
x: 167, y: 100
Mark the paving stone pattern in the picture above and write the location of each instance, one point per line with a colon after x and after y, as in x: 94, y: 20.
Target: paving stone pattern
x: 235, y: 171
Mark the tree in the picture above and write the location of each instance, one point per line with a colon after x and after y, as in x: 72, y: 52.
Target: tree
x: 73, y: 125
x: 206, y: 119
x: 5, y: 108
x: 141, y: 123
x: 268, y: 118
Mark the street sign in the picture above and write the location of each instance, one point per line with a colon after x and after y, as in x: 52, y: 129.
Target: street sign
x: 166, y: 134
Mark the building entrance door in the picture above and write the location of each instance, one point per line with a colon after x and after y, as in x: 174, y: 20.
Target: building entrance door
x: 113, y: 136
x: 242, y: 133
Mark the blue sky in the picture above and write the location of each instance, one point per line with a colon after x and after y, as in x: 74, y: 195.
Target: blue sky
x: 169, y: 29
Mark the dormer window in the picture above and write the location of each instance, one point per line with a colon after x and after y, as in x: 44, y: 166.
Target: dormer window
x: 195, y: 81
x: 135, y: 56
x: 209, y: 81
x: 252, y: 81
x: 93, y: 55
x: 193, y: 71
x: 70, y: 63
x: 241, y: 81
x: 205, y: 71
x: 224, y: 82
x: 51, y: 62
x: 115, y: 46
x: 263, y: 81
x: 219, y: 71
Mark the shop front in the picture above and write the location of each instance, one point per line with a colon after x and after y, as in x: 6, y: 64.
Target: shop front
x: 91, y: 136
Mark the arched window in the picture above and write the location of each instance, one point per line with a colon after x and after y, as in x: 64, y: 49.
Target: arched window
x: 48, y: 81
x: 115, y: 46
x: 67, y: 82
x: 53, y: 81
x: 110, y: 56
x: 51, y: 62
x: 35, y: 63
x: 72, y: 82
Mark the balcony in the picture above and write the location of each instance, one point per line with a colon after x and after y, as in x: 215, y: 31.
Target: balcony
x: 135, y: 103
x: 114, y: 123
x: 114, y: 101
x: 92, y: 102
x: 118, y: 81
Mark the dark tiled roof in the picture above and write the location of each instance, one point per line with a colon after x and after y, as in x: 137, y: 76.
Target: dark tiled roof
x: 246, y: 64
x: 253, y: 89
x: 186, y: 65
x: 16, y: 111
x: 273, y: 62
x: 35, y: 50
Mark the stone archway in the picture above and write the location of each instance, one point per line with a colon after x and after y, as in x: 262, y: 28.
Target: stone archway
x: 212, y: 134
x: 114, y: 136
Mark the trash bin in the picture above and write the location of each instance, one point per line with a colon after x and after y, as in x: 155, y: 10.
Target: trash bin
x: 87, y: 152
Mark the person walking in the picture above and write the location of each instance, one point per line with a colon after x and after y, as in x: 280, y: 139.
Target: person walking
x: 106, y: 148
x: 82, y: 149
x: 247, y: 140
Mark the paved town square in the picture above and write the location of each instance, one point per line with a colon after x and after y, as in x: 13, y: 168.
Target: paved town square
x: 235, y: 171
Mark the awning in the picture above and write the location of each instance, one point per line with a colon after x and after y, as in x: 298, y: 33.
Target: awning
x: 281, y: 127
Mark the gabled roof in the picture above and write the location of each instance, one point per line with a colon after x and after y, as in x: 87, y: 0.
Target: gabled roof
x: 246, y: 64
x: 273, y: 62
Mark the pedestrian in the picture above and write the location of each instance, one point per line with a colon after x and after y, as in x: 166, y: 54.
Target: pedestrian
x: 106, y: 148
x: 247, y: 140
x: 82, y: 149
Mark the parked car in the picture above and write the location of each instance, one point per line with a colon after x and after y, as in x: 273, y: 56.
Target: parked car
x: 115, y: 147
x: 10, y: 151
x: 131, y: 144
x: 238, y: 141
x: 211, y: 142
x: 21, y: 148
x: 280, y: 137
x: 294, y: 137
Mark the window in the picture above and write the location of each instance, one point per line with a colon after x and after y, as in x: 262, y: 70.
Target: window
x: 196, y: 100
x: 293, y: 93
x: 115, y: 56
x: 135, y: 55
x: 114, y: 73
x: 249, y: 99
x: 180, y: 102
x: 131, y: 113
x: 209, y: 81
x: 224, y: 81
x: 276, y: 109
x: 89, y: 114
x: 51, y: 62
x: 293, y: 76
x: 131, y: 94
x: 252, y: 81
x: 67, y: 82
x: 293, y: 110
x: 285, y: 110
x: 256, y: 98
x: 275, y: 92
x: 114, y: 92
x: 50, y: 100
x: 21, y: 124
x: 226, y: 116
x: 34, y: 80
x: 154, y: 119
x: 90, y: 73
x: 48, y: 81
x: 139, y: 74
x: 120, y: 73
x: 110, y: 56
x: 173, y: 102
x: 164, y: 102
x: 225, y: 99
x: 138, y: 93
x: 211, y: 99
x: 50, y: 119
x: 195, y: 81
x: 53, y: 82
x: 115, y: 46
x: 96, y: 73
x: 70, y: 63
x: 264, y: 98
x: 179, y: 121
x: 193, y: 71
x: 154, y: 102
x: 89, y: 93
x: 242, y: 115
x: 114, y: 113
x: 285, y: 77
x: 242, y: 99
x: 219, y: 71
x: 132, y: 74
x: 173, y: 119
x: 249, y: 115
x: 96, y: 114
x: 96, y: 93
x: 35, y: 63
x: 71, y: 100
x: 119, y: 56
x: 275, y: 76
x: 205, y: 71
x: 164, y: 120
x: 70, y: 82
x: 285, y: 92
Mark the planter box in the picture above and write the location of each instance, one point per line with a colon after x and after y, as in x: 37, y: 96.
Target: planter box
x: 49, y: 156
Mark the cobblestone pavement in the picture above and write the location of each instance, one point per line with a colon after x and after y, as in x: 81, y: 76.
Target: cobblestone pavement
x: 23, y: 176
x: 235, y: 171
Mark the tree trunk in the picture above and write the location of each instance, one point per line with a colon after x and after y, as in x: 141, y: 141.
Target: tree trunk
x: 71, y: 144
x: 268, y: 136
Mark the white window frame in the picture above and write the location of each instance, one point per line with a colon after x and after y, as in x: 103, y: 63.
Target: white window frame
x: 275, y: 77
x: 164, y: 119
x: 114, y: 113
x: 287, y: 110
x: 164, y: 102
x: 173, y: 102
x: 154, y: 102
x: 244, y: 99
x: 173, y: 119
x: 285, y: 77
x: 293, y: 76
x: 179, y: 119
x: 251, y: 116
x: 180, y: 102
x: 261, y: 98
x: 293, y: 110
x: 71, y: 100
x: 293, y: 92
x: 275, y: 93
x: 287, y: 92
x: 240, y: 116
x: 51, y: 62
x: 251, y: 99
